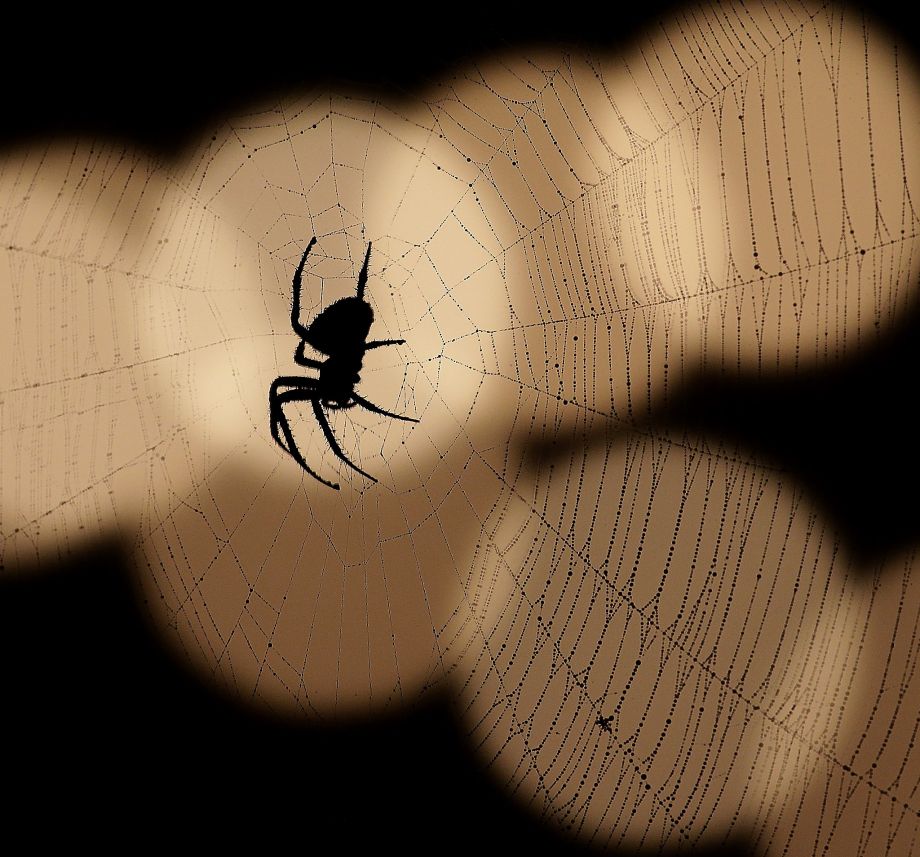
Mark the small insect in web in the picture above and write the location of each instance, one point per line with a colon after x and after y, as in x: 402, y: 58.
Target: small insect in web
x: 340, y: 331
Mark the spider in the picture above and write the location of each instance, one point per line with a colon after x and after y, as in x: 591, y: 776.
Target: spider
x: 339, y: 331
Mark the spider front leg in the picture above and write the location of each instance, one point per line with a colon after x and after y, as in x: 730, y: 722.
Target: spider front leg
x: 304, y: 389
x: 333, y: 443
x: 372, y: 407
x: 379, y: 343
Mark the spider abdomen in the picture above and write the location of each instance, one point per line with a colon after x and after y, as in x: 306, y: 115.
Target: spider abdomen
x: 342, y: 326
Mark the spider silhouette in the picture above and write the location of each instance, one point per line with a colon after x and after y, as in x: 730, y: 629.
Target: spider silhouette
x: 339, y: 331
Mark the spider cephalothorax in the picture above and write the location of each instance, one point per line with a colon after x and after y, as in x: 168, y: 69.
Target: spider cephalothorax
x: 340, y: 331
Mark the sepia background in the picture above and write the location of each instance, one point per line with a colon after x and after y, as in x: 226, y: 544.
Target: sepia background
x: 779, y: 401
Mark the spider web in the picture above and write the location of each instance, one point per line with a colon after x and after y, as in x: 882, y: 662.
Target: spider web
x: 655, y: 639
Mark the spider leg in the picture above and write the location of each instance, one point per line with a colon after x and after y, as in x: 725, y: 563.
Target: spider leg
x: 372, y: 407
x: 299, y: 329
x: 295, y: 454
x: 333, y: 443
x: 276, y: 402
x: 302, y: 360
x: 377, y: 343
x: 362, y: 277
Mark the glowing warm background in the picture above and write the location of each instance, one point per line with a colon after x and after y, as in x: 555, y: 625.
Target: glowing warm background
x: 654, y: 639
